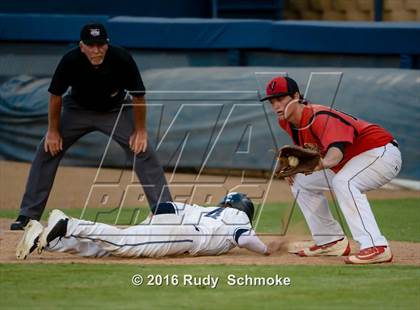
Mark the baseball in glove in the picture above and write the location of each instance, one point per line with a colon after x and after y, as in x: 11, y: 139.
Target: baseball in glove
x: 295, y: 159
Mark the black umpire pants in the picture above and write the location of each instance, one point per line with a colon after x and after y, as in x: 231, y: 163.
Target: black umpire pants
x: 75, y: 123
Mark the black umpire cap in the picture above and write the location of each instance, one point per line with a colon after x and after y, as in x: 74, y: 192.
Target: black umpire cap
x: 94, y: 33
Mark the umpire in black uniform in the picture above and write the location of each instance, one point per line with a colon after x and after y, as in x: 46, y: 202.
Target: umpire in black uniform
x: 99, y: 75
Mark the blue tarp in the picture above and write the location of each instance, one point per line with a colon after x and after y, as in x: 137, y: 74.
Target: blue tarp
x: 213, y: 116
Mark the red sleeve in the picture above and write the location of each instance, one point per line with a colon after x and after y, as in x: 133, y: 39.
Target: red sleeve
x: 329, y: 129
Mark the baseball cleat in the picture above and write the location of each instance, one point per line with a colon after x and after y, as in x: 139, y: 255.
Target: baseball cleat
x: 20, y: 223
x: 337, y: 248
x: 57, y: 227
x: 295, y: 247
x: 30, y: 238
x: 373, y: 255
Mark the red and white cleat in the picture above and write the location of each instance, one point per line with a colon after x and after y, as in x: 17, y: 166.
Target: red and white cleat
x: 373, y: 255
x: 337, y: 248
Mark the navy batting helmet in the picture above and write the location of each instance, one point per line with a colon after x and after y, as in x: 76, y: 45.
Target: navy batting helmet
x: 239, y: 201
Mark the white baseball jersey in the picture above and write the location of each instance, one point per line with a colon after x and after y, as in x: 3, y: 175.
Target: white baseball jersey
x: 219, y: 228
x: 192, y: 229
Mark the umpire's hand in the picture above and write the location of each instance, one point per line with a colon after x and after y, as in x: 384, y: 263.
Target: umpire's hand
x: 138, y: 141
x: 53, y: 142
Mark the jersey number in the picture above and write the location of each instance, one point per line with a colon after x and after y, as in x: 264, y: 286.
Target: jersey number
x: 215, y: 213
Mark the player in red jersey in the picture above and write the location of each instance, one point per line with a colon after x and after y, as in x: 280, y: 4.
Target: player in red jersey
x: 357, y: 156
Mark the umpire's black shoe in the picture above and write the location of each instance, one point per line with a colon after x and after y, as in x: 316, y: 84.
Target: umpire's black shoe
x: 20, y: 223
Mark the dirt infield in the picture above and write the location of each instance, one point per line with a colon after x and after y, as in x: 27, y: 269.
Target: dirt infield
x: 73, y: 184
x: 405, y: 253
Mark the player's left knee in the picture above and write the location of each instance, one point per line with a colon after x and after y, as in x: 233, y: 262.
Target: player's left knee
x: 340, y: 183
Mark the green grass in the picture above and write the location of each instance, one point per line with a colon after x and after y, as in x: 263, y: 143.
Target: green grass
x: 108, y: 286
x: 398, y: 219
x: 79, y: 286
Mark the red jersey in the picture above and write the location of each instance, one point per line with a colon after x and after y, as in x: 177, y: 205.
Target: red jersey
x: 322, y: 126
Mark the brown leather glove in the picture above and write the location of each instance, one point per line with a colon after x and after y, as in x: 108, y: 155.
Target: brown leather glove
x: 294, y: 159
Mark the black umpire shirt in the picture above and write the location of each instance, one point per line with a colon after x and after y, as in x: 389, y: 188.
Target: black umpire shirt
x: 97, y: 88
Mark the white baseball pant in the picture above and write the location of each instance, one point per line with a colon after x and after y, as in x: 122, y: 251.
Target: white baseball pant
x: 164, y: 237
x: 367, y: 171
